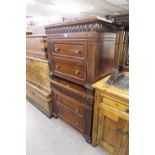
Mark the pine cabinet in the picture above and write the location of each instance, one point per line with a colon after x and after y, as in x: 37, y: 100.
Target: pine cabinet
x: 111, y: 119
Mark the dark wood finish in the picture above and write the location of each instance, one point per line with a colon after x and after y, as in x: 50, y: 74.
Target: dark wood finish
x: 70, y: 49
x: 84, y: 49
x: 70, y: 70
x: 80, y: 52
x: 36, y: 46
x: 73, y: 104
x: 28, y: 33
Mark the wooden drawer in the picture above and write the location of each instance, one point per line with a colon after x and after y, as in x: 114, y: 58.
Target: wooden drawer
x: 36, y: 46
x: 37, y: 72
x: 115, y: 102
x: 77, y: 50
x: 70, y: 70
x: 67, y: 115
x: 74, y: 106
x: 41, y: 98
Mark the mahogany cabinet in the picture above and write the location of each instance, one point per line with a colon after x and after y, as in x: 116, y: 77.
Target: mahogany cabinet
x: 73, y: 104
x: 111, y: 118
x: 81, y: 51
x: 38, y: 89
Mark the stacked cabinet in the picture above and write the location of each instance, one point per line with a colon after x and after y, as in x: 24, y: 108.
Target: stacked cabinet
x: 111, y: 118
x: 80, y: 52
x: 74, y: 105
x: 38, y: 89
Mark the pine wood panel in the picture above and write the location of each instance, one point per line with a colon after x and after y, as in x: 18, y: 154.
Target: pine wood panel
x: 36, y: 46
x: 111, y: 119
x: 40, y: 98
x: 37, y: 72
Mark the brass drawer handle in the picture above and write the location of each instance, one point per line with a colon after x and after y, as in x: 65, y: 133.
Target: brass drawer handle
x: 77, y: 72
x: 56, y: 49
x: 77, y: 110
x: 57, y: 66
x: 77, y: 51
x: 67, y: 86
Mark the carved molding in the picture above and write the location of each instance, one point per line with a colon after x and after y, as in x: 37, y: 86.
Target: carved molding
x: 70, y: 93
x: 86, y: 27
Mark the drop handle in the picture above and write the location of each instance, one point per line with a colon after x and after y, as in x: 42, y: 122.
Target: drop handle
x: 56, y: 49
x: 77, y: 51
x: 77, y: 72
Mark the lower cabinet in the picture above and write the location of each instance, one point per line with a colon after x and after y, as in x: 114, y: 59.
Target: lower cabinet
x: 111, y: 119
x: 73, y: 104
x: 113, y: 131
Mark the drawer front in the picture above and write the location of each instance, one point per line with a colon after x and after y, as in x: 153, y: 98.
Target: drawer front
x: 70, y: 117
x: 116, y: 103
x: 69, y: 50
x: 38, y: 98
x: 36, y: 44
x: 70, y: 69
x: 42, y: 55
x: 74, y: 106
x: 37, y: 72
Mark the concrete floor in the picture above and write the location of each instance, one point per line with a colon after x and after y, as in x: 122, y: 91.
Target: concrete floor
x: 54, y: 137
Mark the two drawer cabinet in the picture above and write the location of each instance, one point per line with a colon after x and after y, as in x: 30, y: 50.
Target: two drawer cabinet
x: 74, y: 105
x: 111, y: 119
x: 38, y: 89
x: 81, y: 51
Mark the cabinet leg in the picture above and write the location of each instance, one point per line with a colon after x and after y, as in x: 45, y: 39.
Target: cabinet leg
x: 88, y: 140
x: 55, y: 115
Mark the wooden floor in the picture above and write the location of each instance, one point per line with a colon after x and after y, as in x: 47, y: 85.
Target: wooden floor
x: 46, y: 136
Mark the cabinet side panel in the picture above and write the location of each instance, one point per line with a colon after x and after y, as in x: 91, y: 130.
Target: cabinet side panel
x: 105, y: 55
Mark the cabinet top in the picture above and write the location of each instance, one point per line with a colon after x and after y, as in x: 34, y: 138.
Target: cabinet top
x: 102, y: 86
x: 91, y: 23
x: 77, y: 21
